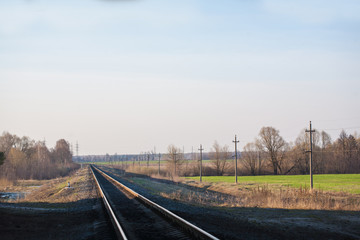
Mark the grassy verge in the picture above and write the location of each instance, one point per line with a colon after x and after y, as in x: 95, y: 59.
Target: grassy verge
x: 349, y: 183
x: 55, y: 191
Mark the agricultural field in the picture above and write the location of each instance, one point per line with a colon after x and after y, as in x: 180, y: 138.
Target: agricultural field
x: 349, y: 183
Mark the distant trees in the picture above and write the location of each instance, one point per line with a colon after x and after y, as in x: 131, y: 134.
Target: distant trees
x: 269, y: 153
x: 341, y: 156
x: 220, y: 155
x: 7, y: 141
x: 2, y: 158
x: 252, y: 159
x: 62, y: 151
x: 274, y: 146
x: 174, y: 159
x: 347, y: 154
x: 27, y: 159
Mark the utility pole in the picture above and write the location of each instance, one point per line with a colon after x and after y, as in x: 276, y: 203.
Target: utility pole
x: 174, y: 156
x: 77, y: 149
x: 192, y: 153
x: 201, y: 149
x: 236, y: 142
x: 159, y: 163
x: 311, y: 175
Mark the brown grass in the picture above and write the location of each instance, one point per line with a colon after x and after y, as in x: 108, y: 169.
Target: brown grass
x: 5, y: 184
x: 266, y: 197
x: 152, y: 171
x: 261, y: 196
x: 55, y: 191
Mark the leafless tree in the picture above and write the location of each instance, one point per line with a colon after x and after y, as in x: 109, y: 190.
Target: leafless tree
x: 174, y: 159
x: 274, y: 145
x: 346, y: 154
x: 2, y: 158
x: 62, y: 151
x: 219, y: 155
x: 26, y: 159
x: 251, y: 158
x: 324, y: 143
x: 7, y: 141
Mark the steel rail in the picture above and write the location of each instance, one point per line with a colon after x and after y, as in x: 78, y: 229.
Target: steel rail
x: 168, y: 214
x: 118, y: 228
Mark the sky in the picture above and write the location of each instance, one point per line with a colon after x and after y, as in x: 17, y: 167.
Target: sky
x: 133, y: 75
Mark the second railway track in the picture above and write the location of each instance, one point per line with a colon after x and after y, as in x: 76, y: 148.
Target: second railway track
x: 136, y: 217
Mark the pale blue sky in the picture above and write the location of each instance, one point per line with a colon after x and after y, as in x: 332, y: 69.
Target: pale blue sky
x: 125, y: 76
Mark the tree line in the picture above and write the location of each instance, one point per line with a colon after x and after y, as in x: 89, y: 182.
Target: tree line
x: 24, y: 158
x: 269, y: 153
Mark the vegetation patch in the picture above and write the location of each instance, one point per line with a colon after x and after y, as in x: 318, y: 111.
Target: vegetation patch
x: 349, y: 183
x: 57, y: 190
x: 250, y: 194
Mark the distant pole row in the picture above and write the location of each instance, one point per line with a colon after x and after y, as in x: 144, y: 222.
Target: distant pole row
x: 201, y: 149
x: 236, y: 157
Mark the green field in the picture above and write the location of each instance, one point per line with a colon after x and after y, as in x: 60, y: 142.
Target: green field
x: 328, y: 182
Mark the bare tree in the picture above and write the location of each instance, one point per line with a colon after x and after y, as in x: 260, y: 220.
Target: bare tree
x: 325, y: 142
x: 346, y: 156
x: 251, y: 158
x: 219, y: 155
x: 2, y: 158
x: 62, y: 151
x: 8, y: 141
x: 273, y: 144
x: 325, y: 139
x: 298, y: 153
x: 174, y: 159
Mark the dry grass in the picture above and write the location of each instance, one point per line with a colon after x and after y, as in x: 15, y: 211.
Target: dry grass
x: 148, y: 171
x: 265, y: 196
x: 151, y: 171
x: 262, y: 196
x: 55, y: 191
x: 244, y: 194
x: 5, y: 184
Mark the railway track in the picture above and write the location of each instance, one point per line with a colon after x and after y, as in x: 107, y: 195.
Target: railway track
x: 136, y: 217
